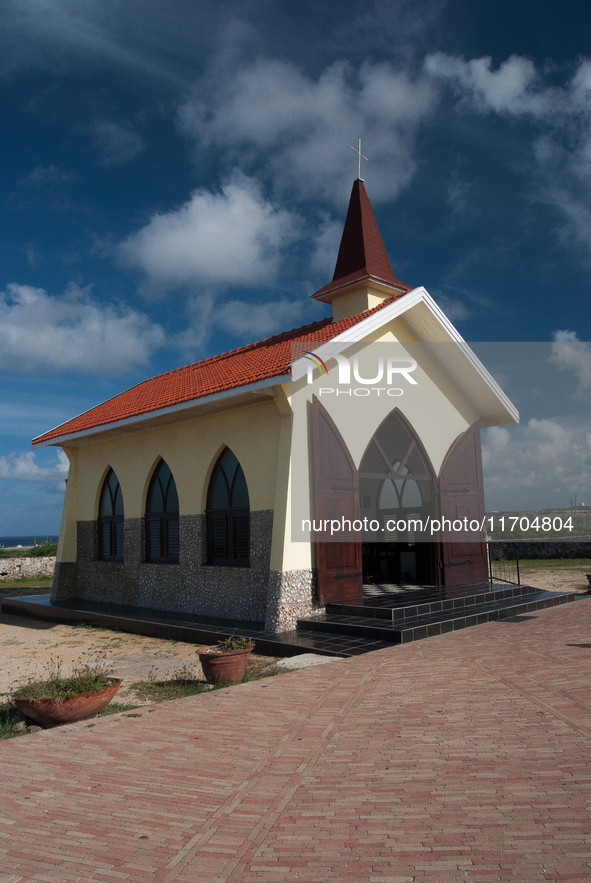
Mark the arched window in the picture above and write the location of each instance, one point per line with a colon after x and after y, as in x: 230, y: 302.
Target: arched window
x: 394, y: 472
x: 228, y: 514
x: 400, y: 493
x: 110, y: 520
x: 162, y: 517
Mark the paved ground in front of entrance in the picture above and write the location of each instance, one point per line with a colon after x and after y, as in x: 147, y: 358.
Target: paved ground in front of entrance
x: 464, y: 757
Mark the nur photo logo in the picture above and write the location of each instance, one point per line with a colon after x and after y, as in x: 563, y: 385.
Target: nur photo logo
x: 387, y: 370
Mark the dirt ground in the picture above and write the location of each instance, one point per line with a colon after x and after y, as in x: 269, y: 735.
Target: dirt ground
x: 556, y: 578
x: 29, y: 646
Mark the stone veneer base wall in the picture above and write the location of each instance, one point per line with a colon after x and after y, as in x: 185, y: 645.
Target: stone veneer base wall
x: 291, y: 595
x: 254, y: 594
x: 63, y: 586
x: 191, y: 586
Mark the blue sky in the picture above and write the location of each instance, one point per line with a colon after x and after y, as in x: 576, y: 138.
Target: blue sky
x: 175, y: 173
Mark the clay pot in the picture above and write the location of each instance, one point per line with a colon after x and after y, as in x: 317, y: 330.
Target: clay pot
x: 224, y: 666
x: 53, y: 712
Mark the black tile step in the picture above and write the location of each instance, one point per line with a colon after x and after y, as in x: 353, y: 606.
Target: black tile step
x: 397, y: 613
x: 429, y: 624
x: 184, y: 627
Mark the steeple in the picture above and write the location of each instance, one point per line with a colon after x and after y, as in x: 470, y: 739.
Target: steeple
x: 363, y: 274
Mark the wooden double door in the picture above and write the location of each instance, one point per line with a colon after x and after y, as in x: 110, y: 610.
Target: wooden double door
x: 450, y: 559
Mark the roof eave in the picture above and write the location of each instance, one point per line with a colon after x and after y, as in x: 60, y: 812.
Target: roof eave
x: 333, y: 289
x: 432, y: 327
x: 129, y: 422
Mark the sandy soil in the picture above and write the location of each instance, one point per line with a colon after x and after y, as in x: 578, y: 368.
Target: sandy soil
x: 29, y: 646
x: 569, y: 578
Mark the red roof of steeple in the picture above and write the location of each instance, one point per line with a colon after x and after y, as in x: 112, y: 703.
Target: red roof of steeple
x: 362, y: 252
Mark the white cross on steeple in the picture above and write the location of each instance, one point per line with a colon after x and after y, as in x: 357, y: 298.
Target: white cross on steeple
x: 360, y: 157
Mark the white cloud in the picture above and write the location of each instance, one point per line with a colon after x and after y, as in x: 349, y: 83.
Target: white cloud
x: 454, y: 308
x: 535, y: 466
x: 28, y: 415
x: 561, y: 125
x: 258, y: 320
x: 246, y: 320
x: 58, y: 35
x: 233, y: 237
x: 572, y: 354
x: 43, y: 175
x: 327, y: 238
x: 565, y: 182
x: 200, y: 309
x: 71, y: 333
x: 514, y: 88
x: 458, y: 193
x: 24, y: 467
x: 303, y: 126
x: 117, y: 143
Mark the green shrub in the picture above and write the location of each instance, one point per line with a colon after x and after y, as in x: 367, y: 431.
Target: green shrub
x: 45, y: 550
x: 234, y: 642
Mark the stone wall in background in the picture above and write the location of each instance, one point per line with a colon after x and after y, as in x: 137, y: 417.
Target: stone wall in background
x: 12, y: 568
x: 523, y: 549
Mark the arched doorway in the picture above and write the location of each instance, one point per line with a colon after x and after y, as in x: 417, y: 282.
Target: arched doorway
x: 394, y: 485
x: 396, y: 492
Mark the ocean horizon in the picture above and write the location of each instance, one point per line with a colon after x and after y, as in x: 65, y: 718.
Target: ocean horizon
x: 27, y: 540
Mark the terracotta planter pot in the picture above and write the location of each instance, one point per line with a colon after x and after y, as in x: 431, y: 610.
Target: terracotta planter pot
x: 53, y: 712
x: 224, y: 667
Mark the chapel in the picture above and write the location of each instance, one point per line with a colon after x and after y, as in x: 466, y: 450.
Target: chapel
x: 262, y: 484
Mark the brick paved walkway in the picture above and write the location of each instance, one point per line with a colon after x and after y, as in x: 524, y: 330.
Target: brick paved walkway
x: 464, y: 757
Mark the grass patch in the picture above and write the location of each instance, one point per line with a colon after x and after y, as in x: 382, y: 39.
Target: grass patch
x: 45, y: 550
x: 554, y: 564
x: 163, y: 691
x: 116, y: 707
x: 42, y: 579
x: 96, y: 628
x: 186, y: 684
x: 7, y: 718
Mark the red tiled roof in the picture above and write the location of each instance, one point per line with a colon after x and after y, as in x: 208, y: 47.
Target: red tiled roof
x: 264, y: 359
x: 362, y: 252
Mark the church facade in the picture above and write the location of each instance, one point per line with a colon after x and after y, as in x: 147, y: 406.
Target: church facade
x: 210, y: 490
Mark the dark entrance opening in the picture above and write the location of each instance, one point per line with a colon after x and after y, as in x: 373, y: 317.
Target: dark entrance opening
x: 398, y: 564
x: 397, y: 492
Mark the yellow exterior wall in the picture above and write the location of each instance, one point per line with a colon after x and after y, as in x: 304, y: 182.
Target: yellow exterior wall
x: 191, y: 450
x: 357, y: 301
x: 66, y: 548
